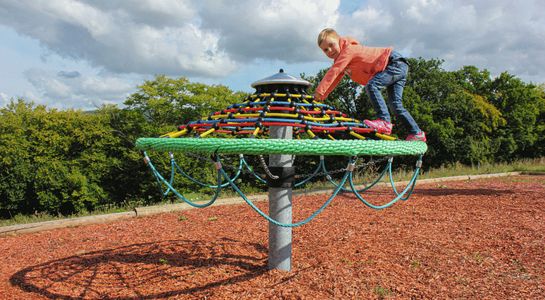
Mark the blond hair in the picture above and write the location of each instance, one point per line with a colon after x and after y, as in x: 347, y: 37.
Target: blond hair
x: 325, y: 34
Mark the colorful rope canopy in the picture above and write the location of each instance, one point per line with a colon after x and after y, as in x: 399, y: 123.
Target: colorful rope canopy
x: 253, y: 117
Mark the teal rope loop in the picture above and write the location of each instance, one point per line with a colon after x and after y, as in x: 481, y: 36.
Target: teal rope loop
x: 160, y: 178
x: 249, y: 168
x: 400, y: 196
x: 418, y: 166
x: 316, y: 170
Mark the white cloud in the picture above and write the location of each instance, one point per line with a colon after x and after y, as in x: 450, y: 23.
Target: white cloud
x: 4, y: 99
x: 496, y: 35
x: 122, y: 38
x: 273, y: 30
x: 80, y: 91
x: 191, y: 38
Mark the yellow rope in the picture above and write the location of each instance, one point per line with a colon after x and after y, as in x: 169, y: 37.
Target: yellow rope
x: 175, y: 134
x: 209, y: 131
x: 347, y: 119
x: 385, y: 137
x: 316, y: 119
x: 359, y: 136
x: 285, y: 115
x: 263, y: 95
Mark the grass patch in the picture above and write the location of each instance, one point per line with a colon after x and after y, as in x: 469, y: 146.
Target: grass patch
x: 526, y: 165
x: 43, y: 217
x: 415, y: 264
x: 382, y: 292
x: 478, y: 257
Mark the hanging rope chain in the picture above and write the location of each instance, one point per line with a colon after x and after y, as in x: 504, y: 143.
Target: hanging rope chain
x: 266, y: 168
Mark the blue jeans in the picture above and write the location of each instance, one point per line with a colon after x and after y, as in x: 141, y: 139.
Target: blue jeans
x: 393, y: 78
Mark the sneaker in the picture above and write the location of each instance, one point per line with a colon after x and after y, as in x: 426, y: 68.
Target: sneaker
x: 379, y: 126
x: 421, y: 136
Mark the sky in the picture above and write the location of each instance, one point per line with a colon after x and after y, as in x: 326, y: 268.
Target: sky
x: 85, y: 53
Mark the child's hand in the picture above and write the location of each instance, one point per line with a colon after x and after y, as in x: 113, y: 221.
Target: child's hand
x: 318, y: 96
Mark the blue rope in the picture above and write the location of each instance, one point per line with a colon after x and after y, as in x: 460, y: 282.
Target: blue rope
x: 418, y: 163
x: 410, y: 187
x: 259, y: 178
x: 241, y: 120
x: 300, y: 183
x: 171, y: 181
x: 158, y: 178
x: 162, y: 179
x: 280, y: 103
x: 339, y: 187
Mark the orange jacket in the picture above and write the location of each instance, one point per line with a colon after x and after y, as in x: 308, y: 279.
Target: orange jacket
x: 361, y: 63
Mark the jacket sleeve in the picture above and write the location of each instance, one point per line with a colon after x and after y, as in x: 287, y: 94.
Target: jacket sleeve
x: 334, y: 74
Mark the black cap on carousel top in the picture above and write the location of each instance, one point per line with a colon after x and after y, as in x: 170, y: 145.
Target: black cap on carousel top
x: 281, y: 83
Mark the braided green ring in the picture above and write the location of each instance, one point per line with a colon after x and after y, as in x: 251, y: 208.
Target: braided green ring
x: 282, y: 146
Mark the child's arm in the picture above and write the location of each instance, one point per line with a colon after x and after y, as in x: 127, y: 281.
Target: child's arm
x: 333, y: 75
x: 321, y: 96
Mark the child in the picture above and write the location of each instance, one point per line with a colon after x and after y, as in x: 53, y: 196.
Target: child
x: 376, y: 68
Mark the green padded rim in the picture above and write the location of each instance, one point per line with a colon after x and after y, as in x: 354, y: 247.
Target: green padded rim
x: 280, y: 146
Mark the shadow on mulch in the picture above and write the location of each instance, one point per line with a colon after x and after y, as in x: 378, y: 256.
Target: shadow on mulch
x: 146, y: 271
x: 424, y: 191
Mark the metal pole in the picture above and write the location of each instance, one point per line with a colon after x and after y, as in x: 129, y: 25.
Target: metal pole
x: 280, y: 206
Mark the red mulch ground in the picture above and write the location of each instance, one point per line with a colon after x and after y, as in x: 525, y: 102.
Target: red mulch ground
x: 479, y: 239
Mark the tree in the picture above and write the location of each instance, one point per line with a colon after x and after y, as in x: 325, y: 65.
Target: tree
x: 166, y: 102
x: 522, y: 106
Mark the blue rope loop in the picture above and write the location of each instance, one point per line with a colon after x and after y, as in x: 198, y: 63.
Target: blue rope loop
x: 162, y: 180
